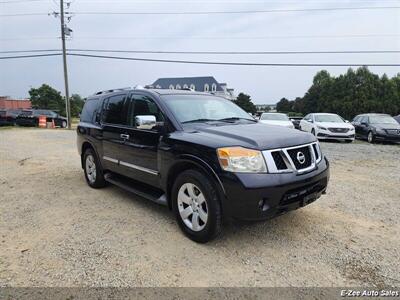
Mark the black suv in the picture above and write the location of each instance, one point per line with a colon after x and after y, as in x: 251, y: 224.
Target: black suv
x: 31, y: 118
x: 376, y: 127
x: 8, y: 116
x: 200, y: 155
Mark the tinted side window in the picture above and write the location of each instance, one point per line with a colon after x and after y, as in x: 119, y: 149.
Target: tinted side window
x: 114, y: 111
x: 143, y: 106
x: 89, y: 110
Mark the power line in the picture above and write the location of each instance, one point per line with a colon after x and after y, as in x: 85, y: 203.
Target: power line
x: 232, y: 63
x: 212, y: 12
x: 207, y: 62
x: 237, y: 37
x: 21, y: 1
x: 237, y: 12
x: 210, y: 37
x: 209, y: 52
x: 30, y: 56
x: 24, y: 15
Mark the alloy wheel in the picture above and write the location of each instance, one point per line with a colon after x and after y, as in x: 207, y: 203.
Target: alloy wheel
x: 192, y: 207
x: 90, y: 168
x: 370, y: 137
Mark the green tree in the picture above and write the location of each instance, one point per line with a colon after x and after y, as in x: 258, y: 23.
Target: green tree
x: 77, y: 103
x: 244, y: 101
x: 355, y: 92
x: 284, y: 105
x: 47, y: 97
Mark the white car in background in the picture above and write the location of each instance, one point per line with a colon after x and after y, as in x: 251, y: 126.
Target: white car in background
x: 328, y: 126
x: 276, y: 119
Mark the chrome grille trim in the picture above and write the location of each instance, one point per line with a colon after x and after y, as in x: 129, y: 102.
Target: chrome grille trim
x: 271, y: 165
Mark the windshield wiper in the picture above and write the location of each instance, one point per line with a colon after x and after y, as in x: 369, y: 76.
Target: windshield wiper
x: 236, y: 119
x: 199, y: 120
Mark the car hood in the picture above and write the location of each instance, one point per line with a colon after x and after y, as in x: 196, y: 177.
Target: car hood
x: 334, y: 125
x: 257, y: 136
x: 386, y: 126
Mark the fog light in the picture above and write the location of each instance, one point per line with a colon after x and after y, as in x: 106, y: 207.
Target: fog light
x: 262, y: 204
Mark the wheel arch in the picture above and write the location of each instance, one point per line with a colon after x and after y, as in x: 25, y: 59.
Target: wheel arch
x: 87, y: 145
x: 186, y: 162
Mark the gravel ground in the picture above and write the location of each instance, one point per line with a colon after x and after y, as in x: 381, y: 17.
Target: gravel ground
x: 56, y: 231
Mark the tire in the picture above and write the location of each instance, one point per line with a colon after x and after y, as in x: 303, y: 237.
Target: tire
x: 64, y: 124
x: 195, y: 196
x: 93, y: 171
x: 370, y: 137
x: 348, y: 141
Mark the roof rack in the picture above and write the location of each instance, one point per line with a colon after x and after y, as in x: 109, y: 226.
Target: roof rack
x: 112, y: 90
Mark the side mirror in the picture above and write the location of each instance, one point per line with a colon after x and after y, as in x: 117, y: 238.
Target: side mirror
x: 145, y: 122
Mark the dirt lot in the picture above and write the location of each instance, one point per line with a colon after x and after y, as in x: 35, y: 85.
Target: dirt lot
x: 56, y: 231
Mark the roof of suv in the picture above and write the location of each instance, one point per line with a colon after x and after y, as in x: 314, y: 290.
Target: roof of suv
x: 152, y: 91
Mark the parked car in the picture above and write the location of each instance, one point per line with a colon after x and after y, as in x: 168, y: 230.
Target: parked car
x: 276, y: 119
x: 397, y: 118
x: 200, y: 155
x: 328, y: 127
x: 377, y: 127
x: 31, y: 118
x: 8, y: 116
x: 296, y: 121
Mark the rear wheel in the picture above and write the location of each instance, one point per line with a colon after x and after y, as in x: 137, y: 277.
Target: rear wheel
x: 93, y: 170
x: 371, y: 137
x: 196, y: 206
x: 64, y: 124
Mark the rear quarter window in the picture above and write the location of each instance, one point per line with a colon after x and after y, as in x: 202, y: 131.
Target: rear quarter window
x: 89, y: 109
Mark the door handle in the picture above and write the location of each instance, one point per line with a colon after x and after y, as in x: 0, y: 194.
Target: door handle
x: 124, y: 136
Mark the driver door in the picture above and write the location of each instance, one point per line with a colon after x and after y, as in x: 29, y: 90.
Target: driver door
x: 139, y: 152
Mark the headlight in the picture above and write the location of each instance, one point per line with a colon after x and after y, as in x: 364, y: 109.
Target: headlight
x: 352, y: 129
x: 322, y: 128
x: 238, y: 159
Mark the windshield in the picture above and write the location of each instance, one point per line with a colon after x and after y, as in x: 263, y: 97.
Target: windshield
x: 199, y: 108
x: 274, y: 117
x: 382, y: 120
x: 328, y: 118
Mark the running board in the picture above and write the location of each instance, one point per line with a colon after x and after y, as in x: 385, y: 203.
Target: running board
x: 137, y: 188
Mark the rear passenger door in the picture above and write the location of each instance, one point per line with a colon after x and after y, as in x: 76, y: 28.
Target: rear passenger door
x: 114, y: 122
x: 138, y: 158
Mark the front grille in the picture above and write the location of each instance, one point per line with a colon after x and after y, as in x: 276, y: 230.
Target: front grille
x: 338, y: 130
x: 279, y: 161
x: 298, y: 159
x: 301, y: 157
x: 315, y: 151
x: 393, y: 131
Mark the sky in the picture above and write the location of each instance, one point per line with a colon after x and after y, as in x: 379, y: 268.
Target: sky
x: 377, y: 29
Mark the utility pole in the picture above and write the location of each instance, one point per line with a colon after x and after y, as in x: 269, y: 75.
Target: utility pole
x: 64, y: 55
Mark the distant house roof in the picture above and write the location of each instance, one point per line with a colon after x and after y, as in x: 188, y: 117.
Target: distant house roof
x: 199, y: 82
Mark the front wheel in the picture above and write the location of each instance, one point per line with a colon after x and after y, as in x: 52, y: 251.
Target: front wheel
x: 196, y: 205
x: 371, y: 137
x: 93, y: 170
x: 64, y: 124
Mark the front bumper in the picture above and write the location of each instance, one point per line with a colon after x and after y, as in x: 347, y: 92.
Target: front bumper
x: 387, y: 137
x: 263, y: 196
x: 335, y: 136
